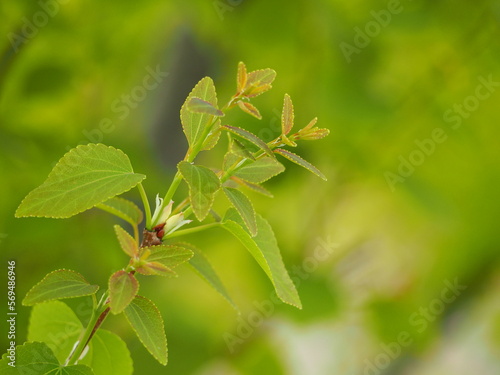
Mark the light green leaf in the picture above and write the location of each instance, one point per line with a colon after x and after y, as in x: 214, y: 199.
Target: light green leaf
x: 169, y: 255
x: 287, y: 115
x: 203, y: 267
x: 83, y: 178
x: 230, y: 159
x: 244, y: 207
x: 203, y: 184
x: 245, y: 134
x: 194, y: 124
x: 241, y: 150
x: 127, y: 242
x: 58, y: 285
x: 250, y: 109
x: 108, y: 355
x: 55, y: 324
x: 303, y: 163
x: 198, y: 105
x: 123, y: 288
x: 155, y: 268
x: 124, y: 209
x: 264, y: 249
x: 259, y: 81
x: 241, y: 77
x: 36, y: 358
x: 260, y: 170
x: 146, y: 320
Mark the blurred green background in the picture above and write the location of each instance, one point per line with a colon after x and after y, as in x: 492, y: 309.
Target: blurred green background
x: 404, y: 221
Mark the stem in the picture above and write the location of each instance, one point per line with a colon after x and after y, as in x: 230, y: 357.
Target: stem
x: 193, y: 230
x: 145, y: 202
x: 95, y: 321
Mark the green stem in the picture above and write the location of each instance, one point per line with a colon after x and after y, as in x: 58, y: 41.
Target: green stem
x: 89, y: 331
x: 145, y: 202
x: 200, y: 228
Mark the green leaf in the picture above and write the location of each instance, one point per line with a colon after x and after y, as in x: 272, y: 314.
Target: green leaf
x: 244, y: 207
x: 84, y: 177
x: 241, y: 150
x: 259, y: 81
x: 146, y: 320
x: 123, y: 288
x: 287, y: 115
x: 203, y: 267
x: 260, y: 170
x: 58, y: 285
x: 245, y: 134
x: 108, y: 355
x: 55, y: 324
x: 255, y: 187
x: 36, y: 358
x: 203, y: 184
x: 124, y: 209
x: 198, y: 105
x: 264, y: 249
x: 169, y: 255
x: 193, y: 123
x: 250, y: 109
x: 230, y: 159
x: 298, y: 160
x: 241, y: 78
x: 127, y: 242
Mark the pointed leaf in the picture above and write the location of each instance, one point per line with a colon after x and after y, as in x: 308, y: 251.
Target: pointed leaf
x: 204, y: 269
x: 198, y: 105
x: 123, y: 288
x: 37, y: 358
x: 169, y: 255
x: 241, y: 78
x: 241, y: 150
x: 258, y: 82
x: 127, y: 242
x: 194, y: 124
x: 255, y: 187
x: 250, y: 109
x: 256, y: 91
x: 203, y: 184
x: 244, y: 207
x: 260, y: 170
x: 303, y: 163
x: 124, y: 209
x: 55, y: 324
x: 58, y: 285
x: 245, y: 134
x: 212, y: 139
x: 287, y: 115
x: 84, y: 177
x: 146, y: 320
x: 155, y: 268
x: 264, y: 249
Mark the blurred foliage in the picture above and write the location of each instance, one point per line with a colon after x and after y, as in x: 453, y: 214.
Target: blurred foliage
x: 394, y: 249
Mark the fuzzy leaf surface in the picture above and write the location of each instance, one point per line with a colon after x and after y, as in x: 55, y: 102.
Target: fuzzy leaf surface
x: 146, y: 320
x: 59, y: 284
x: 83, y: 178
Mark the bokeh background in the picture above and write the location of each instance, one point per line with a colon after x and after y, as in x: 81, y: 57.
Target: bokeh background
x: 404, y: 225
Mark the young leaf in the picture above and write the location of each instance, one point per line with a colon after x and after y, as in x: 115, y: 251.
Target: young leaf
x: 212, y: 139
x: 38, y: 359
x: 169, y: 255
x: 123, y: 288
x: 230, y: 159
x: 155, y: 268
x: 83, y: 178
x: 193, y: 123
x: 55, y: 324
x: 241, y: 78
x: 198, y: 105
x: 58, y: 285
x: 250, y: 109
x: 108, y: 355
x: 244, y: 208
x: 303, y: 163
x: 203, y: 184
x: 264, y: 249
x: 127, y: 242
x: 124, y: 209
x: 203, y: 267
x: 260, y: 170
x: 241, y: 150
x: 287, y: 115
x: 245, y: 134
x: 258, y: 82
x: 255, y: 187
x: 146, y: 320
